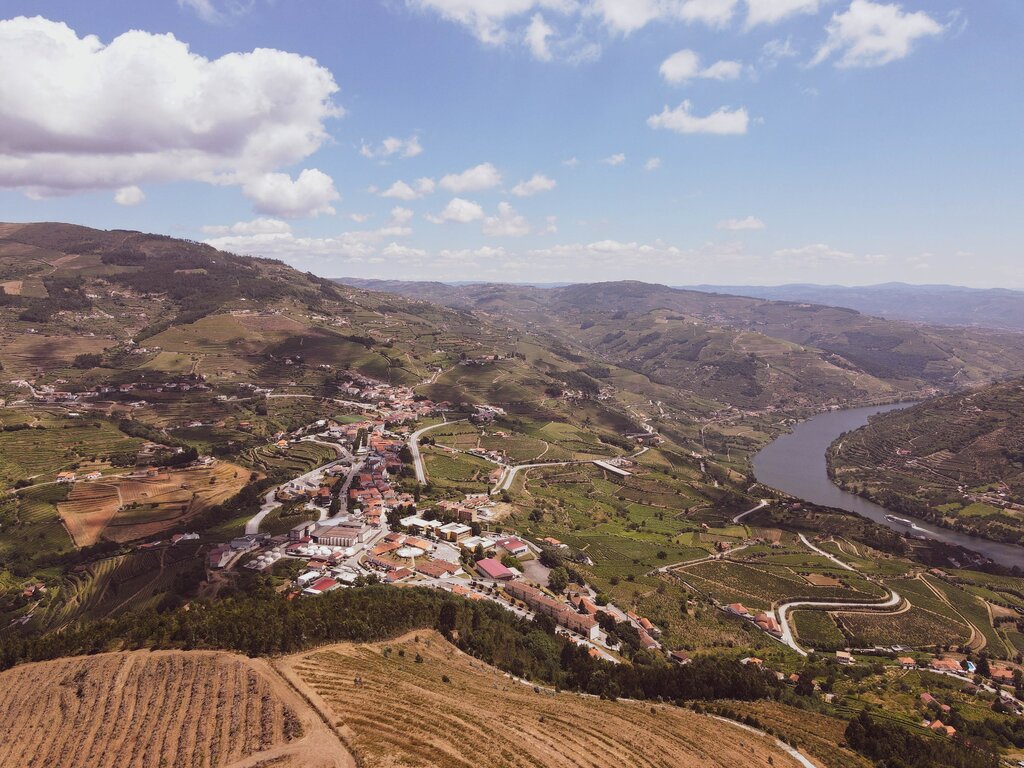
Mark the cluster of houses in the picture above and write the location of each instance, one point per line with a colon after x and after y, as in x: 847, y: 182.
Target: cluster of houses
x: 564, y: 615
x: 763, y: 620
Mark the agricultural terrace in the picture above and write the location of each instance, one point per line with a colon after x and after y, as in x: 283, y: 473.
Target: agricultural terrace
x: 104, y: 588
x: 448, y: 469
x: 159, y: 708
x: 32, y: 526
x: 292, y: 460
x: 139, y: 505
x: 762, y: 586
x: 446, y: 710
x: 37, y: 444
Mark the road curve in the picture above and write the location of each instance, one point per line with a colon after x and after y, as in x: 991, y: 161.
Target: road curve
x: 414, y: 448
x: 741, y: 515
x: 784, y: 610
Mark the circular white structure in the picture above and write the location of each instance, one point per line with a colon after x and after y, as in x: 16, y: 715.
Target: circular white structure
x: 409, y: 552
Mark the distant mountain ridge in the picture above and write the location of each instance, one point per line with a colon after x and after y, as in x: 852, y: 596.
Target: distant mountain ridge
x: 750, y: 352
x: 1000, y: 308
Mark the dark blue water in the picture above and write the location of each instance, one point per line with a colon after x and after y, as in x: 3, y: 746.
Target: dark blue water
x: 795, y: 463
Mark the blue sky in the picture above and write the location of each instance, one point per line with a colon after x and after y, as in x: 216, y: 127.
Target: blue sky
x: 677, y: 141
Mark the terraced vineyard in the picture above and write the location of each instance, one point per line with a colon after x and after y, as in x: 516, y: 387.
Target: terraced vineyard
x: 419, y: 702
x: 143, y: 709
x: 296, y: 459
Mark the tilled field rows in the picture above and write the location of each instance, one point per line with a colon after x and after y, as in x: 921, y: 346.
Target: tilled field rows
x: 404, y: 713
x: 137, y: 710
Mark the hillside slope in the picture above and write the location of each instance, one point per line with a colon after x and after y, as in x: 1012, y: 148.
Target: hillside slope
x: 444, y: 709
x: 957, y: 460
x: 752, y: 352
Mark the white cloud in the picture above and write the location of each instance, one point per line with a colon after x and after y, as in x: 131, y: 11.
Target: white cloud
x: 616, y: 159
x: 871, y: 34
x: 459, y: 211
x: 773, y: 11
x: 741, y: 225
x: 403, y: 191
x: 260, y: 226
x: 571, y: 162
x: 129, y: 196
x: 72, y: 120
x: 508, y: 223
x: 487, y: 19
x: 536, y: 37
x: 723, y: 121
x: 534, y: 185
x: 684, y: 65
x: 820, y: 253
x: 652, y: 164
x: 475, y: 179
x: 359, y: 218
x: 626, y: 16
x: 217, y: 12
x: 279, y: 195
x: 776, y: 50
x: 392, y: 147
x: 400, y: 215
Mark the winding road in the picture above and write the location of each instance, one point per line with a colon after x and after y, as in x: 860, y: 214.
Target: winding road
x: 414, y: 447
x: 784, y: 610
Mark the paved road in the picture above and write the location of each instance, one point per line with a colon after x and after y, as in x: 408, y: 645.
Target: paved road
x: 829, y: 555
x: 270, y: 503
x: 414, y: 447
x: 741, y: 515
x: 784, y: 610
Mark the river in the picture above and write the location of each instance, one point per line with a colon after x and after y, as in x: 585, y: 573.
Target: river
x: 795, y: 463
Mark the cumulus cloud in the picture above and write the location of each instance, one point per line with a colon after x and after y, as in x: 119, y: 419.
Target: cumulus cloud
x: 652, y: 164
x: 392, y: 147
x: 536, y: 37
x: 475, y: 179
x: 403, y: 191
x: 776, y: 50
x: 773, y: 11
x: 487, y: 19
x: 684, y: 65
x: 617, y: 159
x: 723, y: 121
x: 871, y: 34
x: 534, y: 185
x: 260, y: 226
x: 459, y: 211
x: 278, y: 194
x: 741, y: 225
x: 72, y: 120
x: 571, y: 162
x: 508, y: 223
x: 129, y: 196
x: 626, y: 16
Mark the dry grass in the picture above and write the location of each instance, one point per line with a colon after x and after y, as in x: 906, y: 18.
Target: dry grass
x: 405, y: 714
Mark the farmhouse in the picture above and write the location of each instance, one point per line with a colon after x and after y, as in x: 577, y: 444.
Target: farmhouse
x: 738, y: 609
x: 906, y: 662
x: 844, y: 657
x: 65, y: 477
x: 946, y: 665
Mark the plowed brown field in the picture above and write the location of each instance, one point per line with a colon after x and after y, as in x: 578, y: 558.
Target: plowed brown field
x: 176, y: 709
x: 403, y: 713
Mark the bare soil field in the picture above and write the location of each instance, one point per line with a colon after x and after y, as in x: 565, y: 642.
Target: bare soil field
x: 123, y: 509
x: 88, y: 509
x: 450, y: 711
x: 178, y: 709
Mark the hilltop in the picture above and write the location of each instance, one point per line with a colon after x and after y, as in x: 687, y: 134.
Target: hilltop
x: 957, y: 460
